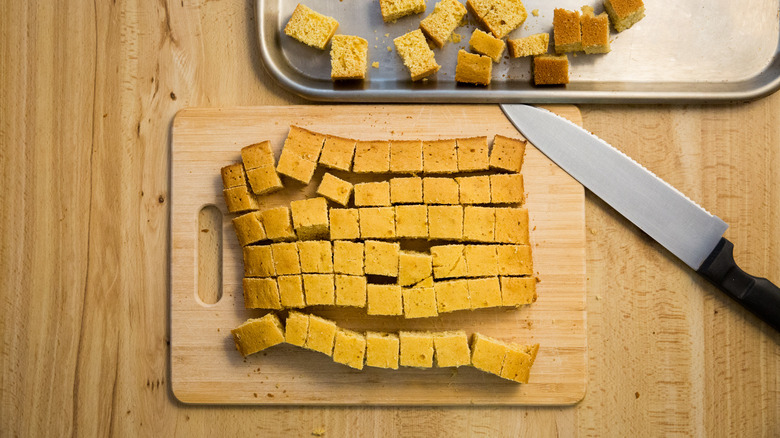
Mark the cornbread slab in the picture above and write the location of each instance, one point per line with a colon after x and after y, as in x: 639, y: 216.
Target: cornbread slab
x: 206, y: 259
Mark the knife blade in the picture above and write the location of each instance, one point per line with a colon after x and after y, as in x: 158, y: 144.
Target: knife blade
x: 680, y: 225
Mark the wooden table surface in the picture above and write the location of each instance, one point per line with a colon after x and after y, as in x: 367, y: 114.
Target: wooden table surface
x: 88, y: 93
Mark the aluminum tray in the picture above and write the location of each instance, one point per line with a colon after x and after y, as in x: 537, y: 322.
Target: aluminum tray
x: 695, y: 50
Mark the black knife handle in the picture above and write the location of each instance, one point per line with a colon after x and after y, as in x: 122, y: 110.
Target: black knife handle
x: 756, y: 294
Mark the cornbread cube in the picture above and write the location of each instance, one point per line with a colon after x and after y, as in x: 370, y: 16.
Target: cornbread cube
x: 440, y: 156
x: 507, y: 188
x: 488, y: 45
x: 420, y: 302
x: 445, y: 222
x: 481, y: 260
x: 384, y: 299
x: 531, y: 45
x: 392, y: 10
x: 416, y: 349
x: 291, y: 291
x: 517, y: 365
x: 473, y: 69
x: 417, y: 56
x: 487, y: 354
x: 406, y: 156
x: 551, y: 70
x: 452, y: 295
x: 413, y: 267
x: 426, y: 282
x: 321, y: 335
x: 377, y: 222
x: 261, y: 293
x: 479, y: 224
x: 344, y: 223
x: 595, y: 31
x: 411, y: 221
x: 285, y: 257
x: 372, y: 194
x: 484, y: 292
x: 507, y: 154
x: 296, y: 167
x: 349, y: 348
x: 406, y: 190
x: 316, y: 256
x: 257, y: 155
x: 382, y: 350
x: 233, y: 176
x: 264, y: 180
x: 337, y: 153
x: 304, y: 143
x: 296, y: 328
x: 440, y: 190
x: 258, y: 261
x: 624, y: 13
x: 350, y: 290
x: 447, y: 15
x: 448, y: 261
x: 335, y: 189
x: 472, y: 154
x: 474, y: 189
x: 382, y: 258
x: 310, y: 218
x: 512, y: 225
x: 310, y: 28
x: 348, y: 257
x: 566, y: 31
x: 515, y: 260
x: 498, y: 16
x: 258, y: 334
x: 249, y: 228
x: 517, y: 291
x: 451, y: 349
x: 372, y: 157
x: 239, y: 199
x: 348, y: 57
x: 319, y: 289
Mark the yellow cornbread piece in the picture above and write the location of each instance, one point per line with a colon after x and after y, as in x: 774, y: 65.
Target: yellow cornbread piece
x: 452, y: 295
x: 474, y: 189
x: 310, y: 218
x: 300, y: 153
x: 310, y: 27
x: 249, y: 228
x: 350, y: 290
x: 316, y: 256
x: 514, y: 260
x: 487, y: 354
x: 319, y: 289
x: 285, y: 258
x: 624, y: 13
x: 384, y: 299
x: 344, y: 223
x: 377, y: 222
x: 440, y: 156
x: 437, y: 190
x: 233, y: 176
x: 512, y: 225
x: 413, y: 267
x: 392, y: 10
x: 239, y: 199
x: 258, y: 261
x: 595, y: 31
x: 296, y: 328
x: 372, y: 194
x: 261, y: 293
x: 481, y: 260
x: 321, y: 335
x: 296, y: 167
x: 349, y: 348
x: 264, y: 180
x: 445, y: 18
x: 487, y: 45
x: 551, y: 70
x: 472, y: 154
x: 291, y: 291
x: 507, y: 154
x: 451, y: 349
x: 371, y: 157
x: 258, y: 334
x: 479, y: 224
x: 278, y: 224
x: 257, y: 155
x: 337, y: 153
x: 518, y: 361
x: 517, y: 291
x: 406, y: 156
x: 498, y: 16
x: 406, y: 190
x: 484, y: 292
x: 507, y: 188
x: 416, y: 349
x: 381, y: 258
x: 411, y: 221
x: 566, y: 31
x: 348, y: 257
x: 448, y: 261
x: 348, y: 57
x: 420, y: 302
x: 473, y: 69
x: 445, y: 222
x: 417, y: 56
x: 382, y: 350
x: 531, y: 45
x: 335, y: 189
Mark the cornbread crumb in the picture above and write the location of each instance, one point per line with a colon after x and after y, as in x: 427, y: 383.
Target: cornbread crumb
x: 375, y: 64
x: 488, y: 45
x: 348, y: 57
x: 473, y: 69
x: 310, y: 27
x: 535, y: 12
x: 529, y: 46
x: 417, y: 56
x: 445, y: 18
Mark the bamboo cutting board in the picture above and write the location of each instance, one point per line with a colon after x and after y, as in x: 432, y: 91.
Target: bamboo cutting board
x: 206, y: 270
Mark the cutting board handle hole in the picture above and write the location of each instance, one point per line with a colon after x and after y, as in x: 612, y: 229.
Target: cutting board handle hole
x: 209, y: 255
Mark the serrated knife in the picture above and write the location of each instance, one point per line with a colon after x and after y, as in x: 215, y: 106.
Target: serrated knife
x: 679, y: 224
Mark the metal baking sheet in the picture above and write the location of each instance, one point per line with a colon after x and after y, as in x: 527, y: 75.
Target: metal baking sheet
x: 689, y: 51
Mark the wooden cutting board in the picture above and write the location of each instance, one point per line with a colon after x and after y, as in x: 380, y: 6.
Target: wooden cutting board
x: 206, y: 270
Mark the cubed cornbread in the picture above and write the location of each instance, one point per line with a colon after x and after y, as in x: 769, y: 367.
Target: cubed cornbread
x: 531, y: 45
x: 447, y: 15
x: 261, y: 293
x: 551, y: 70
x: 440, y: 156
x: 319, y: 289
x: 348, y: 57
x: 249, y: 228
x: 411, y: 221
x: 406, y: 190
x: 310, y: 27
x: 344, y: 224
x: 406, y: 156
x: 372, y: 157
x: 514, y: 260
x: 337, y: 153
x: 566, y: 31
x: 414, y: 267
x: 474, y: 189
x: 257, y: 155
x: 595, y: 31
x: 335, y: 189
x: 481, y: 260
x: 258, y: 261
x: 348, y: 257
x: 291, y: 291
x: 381, y: 258
x: 296, y: 167
x: 473, y: 69
x: 384, y: 299
x: 451, y: 349
x: 498, y: 16
x: 624, y: 13
x: 239, y: 199
x: 285, y: 257
x: 448, y: 261
x: 310, y: 218
x: 416, y: 349
x: 488, y: 45
x: 517, y: 291
x: 417, y: 56
x: 487, y: 354
x: 440, y: 190
x: 472, y: 154
x: 321, y: 335
x: 507, y: 154
x: 316, y: 256
x: 264, y: 180
x: 445, y: 222
x: 377, y: 222
x: 512, y: 225
x: 382, y: 350
x: 304, y: 143
x: 452, y: 295
x: 349, y: 348
x: 420, y: 302
x: 484, y: 292
x: 258, y: 334
x: 392, y: 10
x: 372, y: 194
x: 517, y: 363
x: 350, y: 290
x: 479, y: 224
x: 233, y: 176
x: 296, y: 328
x: 507, y: 188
